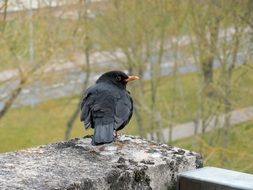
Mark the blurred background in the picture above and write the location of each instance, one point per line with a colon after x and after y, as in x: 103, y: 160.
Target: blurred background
x: 194, y: 59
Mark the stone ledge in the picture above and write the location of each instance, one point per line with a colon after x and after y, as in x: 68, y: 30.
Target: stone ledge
x: 128, y: 163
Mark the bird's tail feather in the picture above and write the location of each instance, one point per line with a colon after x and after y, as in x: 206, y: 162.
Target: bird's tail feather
x: 103, y: 134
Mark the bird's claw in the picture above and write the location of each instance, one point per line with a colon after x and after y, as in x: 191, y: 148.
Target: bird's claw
x: 116, y: 134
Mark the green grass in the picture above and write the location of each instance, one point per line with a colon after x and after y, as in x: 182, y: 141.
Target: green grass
x: 238, y: 154
x: 45, y: 123
x: 26, y: 126
x: 185, y: 97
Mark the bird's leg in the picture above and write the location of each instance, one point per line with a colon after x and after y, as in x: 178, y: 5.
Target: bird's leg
x: 116, y: 134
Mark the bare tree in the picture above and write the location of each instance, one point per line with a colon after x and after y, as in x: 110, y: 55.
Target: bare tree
x: 20, y: 55
x: 85, y: 38
x: 217, y: 33
x: 205, y: 31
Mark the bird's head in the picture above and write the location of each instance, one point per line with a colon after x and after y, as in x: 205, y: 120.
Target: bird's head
x: 117, y: 78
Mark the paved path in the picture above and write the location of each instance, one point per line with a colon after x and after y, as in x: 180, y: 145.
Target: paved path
x: 187, y: 129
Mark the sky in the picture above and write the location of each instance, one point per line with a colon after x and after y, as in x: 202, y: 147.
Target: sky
x: 17, y: 5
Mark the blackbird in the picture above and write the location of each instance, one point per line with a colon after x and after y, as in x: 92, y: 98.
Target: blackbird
x: 107, y: 106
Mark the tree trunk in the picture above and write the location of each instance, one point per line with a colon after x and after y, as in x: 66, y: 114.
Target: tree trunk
x: 227, y: 91
x: 5, y: 6
x: 12, y: 98
x: 86, y: 69
x: 139, y: 121
x: 155, y: 73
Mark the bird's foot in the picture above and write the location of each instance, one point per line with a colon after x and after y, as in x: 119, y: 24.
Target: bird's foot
x: 116, y: 134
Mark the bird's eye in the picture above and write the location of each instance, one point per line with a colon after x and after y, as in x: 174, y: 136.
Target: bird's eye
x: 118, y: 78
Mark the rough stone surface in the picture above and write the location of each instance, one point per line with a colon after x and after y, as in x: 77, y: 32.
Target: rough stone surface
x: 128, y: 163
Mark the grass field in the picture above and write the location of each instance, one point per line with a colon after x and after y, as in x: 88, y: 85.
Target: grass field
x: 239, y: 154
x: 27, y: 126
x: 47, y: 124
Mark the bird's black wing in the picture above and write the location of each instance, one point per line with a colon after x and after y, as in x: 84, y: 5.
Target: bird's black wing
x: 105, y: 108
x: 123, y: 111
x: 98, y: 105
x: 97, y: 111
x: 86, y: 106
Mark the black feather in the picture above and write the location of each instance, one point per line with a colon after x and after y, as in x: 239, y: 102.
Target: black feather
x: 107, y: 106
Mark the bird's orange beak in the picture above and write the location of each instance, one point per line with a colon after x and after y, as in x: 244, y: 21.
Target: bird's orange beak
x: 130, y: 78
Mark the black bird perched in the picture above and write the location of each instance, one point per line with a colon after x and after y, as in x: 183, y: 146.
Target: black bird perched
x: 107, y: 106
